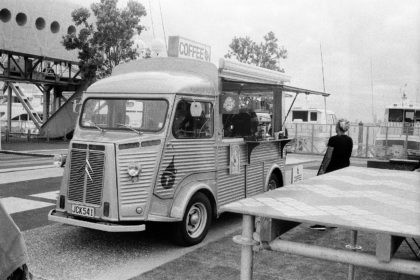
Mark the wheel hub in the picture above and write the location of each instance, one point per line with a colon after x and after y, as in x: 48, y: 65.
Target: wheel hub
x: 196, y: 220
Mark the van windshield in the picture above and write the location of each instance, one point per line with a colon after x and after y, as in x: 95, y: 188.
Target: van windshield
x: 124, y: 114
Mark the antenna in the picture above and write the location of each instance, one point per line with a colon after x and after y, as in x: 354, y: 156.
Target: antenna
x: 404, y: 95
x: 371, y: 87
x: 163, y: 26
x: 323, y: 83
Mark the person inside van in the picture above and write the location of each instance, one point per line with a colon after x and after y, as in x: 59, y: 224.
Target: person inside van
x: 183, y: 121
x: 245, y: 123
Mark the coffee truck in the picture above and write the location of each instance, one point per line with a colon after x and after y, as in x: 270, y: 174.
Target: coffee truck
x: 172, y: 140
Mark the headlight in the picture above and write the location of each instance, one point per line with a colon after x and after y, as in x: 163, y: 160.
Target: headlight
x: 60, y: 160
x: 133, y: 169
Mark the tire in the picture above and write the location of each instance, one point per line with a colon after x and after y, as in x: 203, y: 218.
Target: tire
x: 196, y: 221
x: 273, y: 182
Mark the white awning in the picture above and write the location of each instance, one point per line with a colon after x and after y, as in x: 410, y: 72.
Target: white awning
x: 234, y: 72
x: 246, y: 73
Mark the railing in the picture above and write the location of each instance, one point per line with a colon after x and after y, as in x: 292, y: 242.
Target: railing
x: 368, y: 140
x: 22, y: 131
x: 313, y: 139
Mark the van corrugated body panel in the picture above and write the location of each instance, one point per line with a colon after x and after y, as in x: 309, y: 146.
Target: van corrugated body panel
x: 222, y: 157
x: 184, y: 157
x: 265, y: 151
x: 136, y: 190
x: 230, y: 187
x: 254, y: 179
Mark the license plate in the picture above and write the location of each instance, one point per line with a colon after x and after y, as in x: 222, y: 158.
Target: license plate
x: 83, y: 210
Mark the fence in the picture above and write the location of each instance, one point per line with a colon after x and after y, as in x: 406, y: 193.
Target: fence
x: 24, y: 131
x: 313, y: 139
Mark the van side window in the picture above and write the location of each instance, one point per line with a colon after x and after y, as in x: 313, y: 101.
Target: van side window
x: 201, y: 125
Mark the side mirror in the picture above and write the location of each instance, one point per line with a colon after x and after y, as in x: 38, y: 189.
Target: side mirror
x: 76, y: 106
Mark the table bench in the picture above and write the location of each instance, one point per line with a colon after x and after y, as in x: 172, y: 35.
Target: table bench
x: 383, y: 202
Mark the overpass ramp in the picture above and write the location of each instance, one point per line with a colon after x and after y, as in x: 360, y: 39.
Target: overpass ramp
x: 63, y: 121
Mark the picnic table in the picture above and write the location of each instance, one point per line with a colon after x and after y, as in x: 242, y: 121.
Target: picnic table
x: 379, y: 201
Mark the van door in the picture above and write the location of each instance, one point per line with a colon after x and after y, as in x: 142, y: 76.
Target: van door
x: 190, y: 151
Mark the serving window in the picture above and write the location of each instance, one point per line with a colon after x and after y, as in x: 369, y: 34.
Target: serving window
x: 249, y: 116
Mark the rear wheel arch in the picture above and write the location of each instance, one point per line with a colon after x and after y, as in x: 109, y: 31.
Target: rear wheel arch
x: 278, y: 174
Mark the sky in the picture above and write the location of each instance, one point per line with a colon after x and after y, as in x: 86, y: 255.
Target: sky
x: 370, y: 48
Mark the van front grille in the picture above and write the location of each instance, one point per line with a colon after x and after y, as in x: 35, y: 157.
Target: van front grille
x: 86, y: 176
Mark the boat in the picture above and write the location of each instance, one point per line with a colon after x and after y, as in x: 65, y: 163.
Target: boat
x: 311, y: 129
x: 399, y: 135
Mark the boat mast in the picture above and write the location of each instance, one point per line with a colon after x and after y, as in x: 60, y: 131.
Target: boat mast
x: 151, y: 18
x: 323, y: 83
x: 371, y: 88
x: 163, y: 27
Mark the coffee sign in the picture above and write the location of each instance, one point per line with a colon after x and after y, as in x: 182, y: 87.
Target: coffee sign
x: 181, y: 47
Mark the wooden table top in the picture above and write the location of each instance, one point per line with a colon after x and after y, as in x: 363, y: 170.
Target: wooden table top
x: 358, y: 198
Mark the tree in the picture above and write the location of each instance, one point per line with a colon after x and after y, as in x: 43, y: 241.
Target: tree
x: 107, y: 42
x: 266, y: 54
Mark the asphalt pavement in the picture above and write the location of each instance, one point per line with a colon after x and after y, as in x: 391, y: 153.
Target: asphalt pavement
x: 220, y: 258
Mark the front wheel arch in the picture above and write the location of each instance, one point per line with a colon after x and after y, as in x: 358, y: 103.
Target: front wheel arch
x: 183, y: 197
x: 196, y: 221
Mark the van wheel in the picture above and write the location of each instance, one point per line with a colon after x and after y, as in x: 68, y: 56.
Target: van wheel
x: 273, y: 182
x: 196, y: 221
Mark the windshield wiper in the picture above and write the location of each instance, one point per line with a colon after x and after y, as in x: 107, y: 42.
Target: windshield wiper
x: 96, y: 126
x: 130, y: 128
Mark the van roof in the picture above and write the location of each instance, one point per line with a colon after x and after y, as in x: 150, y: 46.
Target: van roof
x: 188, y: 76
x: 160, y: 75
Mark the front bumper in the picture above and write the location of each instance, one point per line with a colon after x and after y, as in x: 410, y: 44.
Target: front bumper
x: 60, y: 217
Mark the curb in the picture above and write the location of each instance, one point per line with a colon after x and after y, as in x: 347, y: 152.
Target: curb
x: 24, y: 153
x: 26, y: 168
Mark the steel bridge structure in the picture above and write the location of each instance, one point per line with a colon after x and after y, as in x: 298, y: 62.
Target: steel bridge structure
x: 31, y: 51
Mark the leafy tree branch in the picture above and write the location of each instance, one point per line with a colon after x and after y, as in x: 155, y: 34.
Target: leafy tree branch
x: 107, y: 42
x: 266, y: 54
